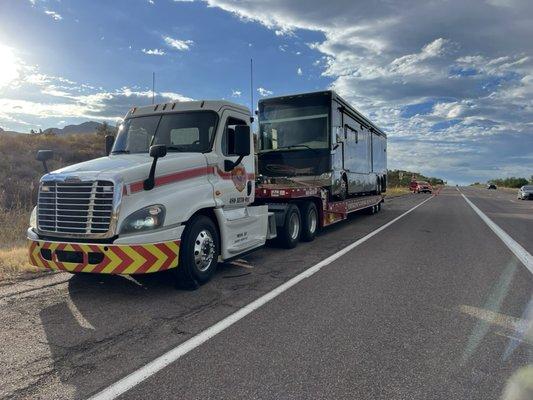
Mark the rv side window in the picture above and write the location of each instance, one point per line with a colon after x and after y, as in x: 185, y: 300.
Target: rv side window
x: 228, y: 137
x: 348, y: 129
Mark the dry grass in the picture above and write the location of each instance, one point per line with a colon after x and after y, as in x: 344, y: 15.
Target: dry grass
x: 14, y: 261
x: 19, y: 177
x: 13, y: 250
x: 396, y: 191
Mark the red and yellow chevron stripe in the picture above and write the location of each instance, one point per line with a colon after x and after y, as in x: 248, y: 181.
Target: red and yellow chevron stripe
x: 117, y: 259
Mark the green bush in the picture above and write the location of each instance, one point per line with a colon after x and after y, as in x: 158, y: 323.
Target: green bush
x: 511, y: 182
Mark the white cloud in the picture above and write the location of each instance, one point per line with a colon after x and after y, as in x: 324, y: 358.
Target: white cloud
x: 9, y: 66
x: 264, y: 92
x: 299, y: 71
x: 54, y: 15
x: 181, y: 45
x: 476, y: 82
x: 34, y: 96
x: 154, y: 52
x: 236, y: 93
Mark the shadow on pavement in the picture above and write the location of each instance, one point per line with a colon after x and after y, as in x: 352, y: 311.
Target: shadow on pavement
x: 110, y: 325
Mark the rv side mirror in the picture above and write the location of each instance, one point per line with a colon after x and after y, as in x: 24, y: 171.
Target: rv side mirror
x: 156, y: 151
x: 43, y: 156
x: 242, y: 140
x: 109, y: 141
x: 339, y: 134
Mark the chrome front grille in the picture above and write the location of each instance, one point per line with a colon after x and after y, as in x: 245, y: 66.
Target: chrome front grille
x: 81, y: 208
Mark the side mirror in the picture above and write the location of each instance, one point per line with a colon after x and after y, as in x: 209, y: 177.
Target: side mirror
x: 340, y: 134
x: 156, y: 151
x: 241, y: 146
x: 43, y: 156
x: 109, y: 141
x: 242, y: 140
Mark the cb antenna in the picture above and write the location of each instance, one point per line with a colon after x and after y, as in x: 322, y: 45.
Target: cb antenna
x: 153, y: 87
x: 252, y: 86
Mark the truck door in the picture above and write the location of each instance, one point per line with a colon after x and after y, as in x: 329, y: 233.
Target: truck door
x: 232, y: 188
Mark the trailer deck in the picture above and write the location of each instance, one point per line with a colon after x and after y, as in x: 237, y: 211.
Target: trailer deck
x: 330, y: 212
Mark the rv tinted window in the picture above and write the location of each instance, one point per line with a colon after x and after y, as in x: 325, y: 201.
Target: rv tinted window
x: 294, y: 123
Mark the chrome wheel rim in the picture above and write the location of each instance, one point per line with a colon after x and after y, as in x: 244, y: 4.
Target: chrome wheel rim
x: 312, y: 220
x: 204, y: 250
x: 294, y: 226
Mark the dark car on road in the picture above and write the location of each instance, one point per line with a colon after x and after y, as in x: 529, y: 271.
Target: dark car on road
x: 491, y: 186
x: 525, y: 192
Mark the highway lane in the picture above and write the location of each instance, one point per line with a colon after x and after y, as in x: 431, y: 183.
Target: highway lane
x: 66, y: 337
x: 433, y: 307
x: 425, y: 309
x: 512, y: 215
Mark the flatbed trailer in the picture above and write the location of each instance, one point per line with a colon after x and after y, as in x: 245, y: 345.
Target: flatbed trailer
x: 313, y: 205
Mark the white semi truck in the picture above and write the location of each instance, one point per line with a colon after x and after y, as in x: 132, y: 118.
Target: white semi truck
x: 177, y: 191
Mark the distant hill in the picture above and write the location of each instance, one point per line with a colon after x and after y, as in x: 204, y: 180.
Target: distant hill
x: 8, y: 132
x: 83, y: 128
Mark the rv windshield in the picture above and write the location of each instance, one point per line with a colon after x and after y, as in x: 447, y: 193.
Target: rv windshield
x: 294, y: 123
x: 180, y: 132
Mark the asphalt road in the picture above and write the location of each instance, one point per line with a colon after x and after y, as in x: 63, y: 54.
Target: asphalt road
x: 434, y: 306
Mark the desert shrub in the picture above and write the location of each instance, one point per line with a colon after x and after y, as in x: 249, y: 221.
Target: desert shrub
x: 20, y: 172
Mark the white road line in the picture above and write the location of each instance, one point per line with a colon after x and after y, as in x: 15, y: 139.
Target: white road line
x: 138, y: 376
x: 521, y: 253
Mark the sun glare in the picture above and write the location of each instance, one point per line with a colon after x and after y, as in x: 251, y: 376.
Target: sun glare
x: 8, y: 66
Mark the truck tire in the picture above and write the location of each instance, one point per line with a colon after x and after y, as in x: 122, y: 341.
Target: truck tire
x: 289, y: 234
x: 309, y: 221
x: 199, y: 252
x: 378, y: 186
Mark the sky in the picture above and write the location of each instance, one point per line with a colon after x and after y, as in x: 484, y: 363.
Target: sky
x: 451, y: 82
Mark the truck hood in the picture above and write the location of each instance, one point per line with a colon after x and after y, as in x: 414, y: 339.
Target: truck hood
x: 128, y: 167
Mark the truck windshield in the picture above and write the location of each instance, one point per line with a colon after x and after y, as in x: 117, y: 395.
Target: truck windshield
x: 180, y: 132
x: 294, y: 123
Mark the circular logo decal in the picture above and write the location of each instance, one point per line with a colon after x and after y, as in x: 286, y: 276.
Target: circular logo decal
x: 238, y: 176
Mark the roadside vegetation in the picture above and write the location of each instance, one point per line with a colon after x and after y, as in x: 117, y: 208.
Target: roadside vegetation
x: 19, y: 177
x: 398, y: 181
x: 512, y: 182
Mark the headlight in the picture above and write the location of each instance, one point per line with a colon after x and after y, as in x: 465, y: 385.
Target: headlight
x: 325, y: 175
x: 146, y: 219
x: 33, y: 218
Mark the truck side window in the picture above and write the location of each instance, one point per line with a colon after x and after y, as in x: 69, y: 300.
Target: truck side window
x: 228, y: 137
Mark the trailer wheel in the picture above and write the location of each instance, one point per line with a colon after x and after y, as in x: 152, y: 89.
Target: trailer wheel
x: 290, y: 231
x: 309, y: 221
x: 199, y: 252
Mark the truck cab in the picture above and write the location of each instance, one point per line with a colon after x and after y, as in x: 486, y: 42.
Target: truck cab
x: 176, y: 189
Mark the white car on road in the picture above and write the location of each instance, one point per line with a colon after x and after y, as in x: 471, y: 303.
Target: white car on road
x: 525, y: 192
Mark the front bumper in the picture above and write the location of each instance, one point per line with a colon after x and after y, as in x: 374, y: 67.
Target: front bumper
x: 104, y: 258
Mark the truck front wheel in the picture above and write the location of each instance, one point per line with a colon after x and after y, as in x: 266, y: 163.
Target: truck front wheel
x: 289, y: 233
x: 309, y: 221
x: 199, y: 252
